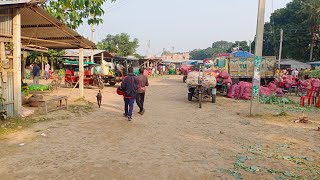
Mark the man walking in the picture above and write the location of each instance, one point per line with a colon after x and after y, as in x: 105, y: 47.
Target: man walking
x: 129, y: 86
x: 142, y: 83
x: 46, y: 71
x: 36, y: 73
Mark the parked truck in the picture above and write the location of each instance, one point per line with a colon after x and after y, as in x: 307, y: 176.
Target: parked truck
x: 241, y: 68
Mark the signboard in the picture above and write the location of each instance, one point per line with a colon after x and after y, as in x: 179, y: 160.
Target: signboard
x: 223, y: 55
x: 243, y: 67
x: 234, y: 67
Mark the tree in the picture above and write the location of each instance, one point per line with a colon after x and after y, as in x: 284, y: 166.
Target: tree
x: 74, y: 12
x: 55, y: 56
x: 221, y: 46
x: 34, y: 57
x: 312, y: 8
x: 297, y: 20
x: 119, y: 44
x: 217, y: 47
x: 243, y: 45
x: 200, y: 54
x: 165, y: 53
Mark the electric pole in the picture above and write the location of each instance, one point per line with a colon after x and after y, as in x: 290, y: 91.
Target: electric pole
x: 254, y: 104
x: 92, y: 38
x: 148, y: 48
x: 280, y: 51
x: 250, y: 46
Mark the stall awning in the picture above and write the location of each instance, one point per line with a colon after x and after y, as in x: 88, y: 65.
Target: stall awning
x: 77, y: 63
x: 87, y: 53
x: 39, y: 28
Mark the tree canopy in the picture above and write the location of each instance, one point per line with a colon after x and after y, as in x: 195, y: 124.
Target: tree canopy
x: 75, y: 12
x: 297, y: 20
x: 218, y: 47
x: 119, y: 44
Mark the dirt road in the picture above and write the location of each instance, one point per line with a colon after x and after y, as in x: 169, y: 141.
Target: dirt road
x: 173, y: 140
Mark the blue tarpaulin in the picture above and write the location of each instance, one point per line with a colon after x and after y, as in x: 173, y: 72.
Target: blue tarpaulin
x: 242, y: 54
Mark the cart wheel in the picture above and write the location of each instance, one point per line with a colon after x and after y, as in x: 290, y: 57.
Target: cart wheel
x: 68, y: 84
x: 189, y: 96
x: 213, y: 100
x: 112, y: 83
x: 200, y: 100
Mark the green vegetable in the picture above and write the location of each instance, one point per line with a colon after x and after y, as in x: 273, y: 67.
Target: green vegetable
x: 39, y: 87
x: 273, y: 99
x: 315, y: 74
x: 25, y: 89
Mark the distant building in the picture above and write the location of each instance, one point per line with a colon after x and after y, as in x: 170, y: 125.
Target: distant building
x: 176, y: 56
x: 293, y: 64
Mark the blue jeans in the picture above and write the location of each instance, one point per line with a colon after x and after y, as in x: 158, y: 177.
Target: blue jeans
x: 128, y: 106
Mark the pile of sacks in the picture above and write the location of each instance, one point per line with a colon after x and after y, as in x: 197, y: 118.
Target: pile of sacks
x: 226, y: 79
x: 208, y: 80
x: 243, y: 90
x: 105, y: 68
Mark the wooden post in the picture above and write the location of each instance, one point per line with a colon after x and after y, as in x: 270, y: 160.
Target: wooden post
x: 17, y: 61
x: 24, y: 62
x: 42, y: 65
x: 81, y: 72
x: 52, y: 64
x: 102, y: 57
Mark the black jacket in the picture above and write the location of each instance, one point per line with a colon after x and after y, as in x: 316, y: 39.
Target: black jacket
x: 130, y: 86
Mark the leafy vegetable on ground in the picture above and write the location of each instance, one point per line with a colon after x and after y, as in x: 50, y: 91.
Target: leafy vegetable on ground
x: 273, y: 99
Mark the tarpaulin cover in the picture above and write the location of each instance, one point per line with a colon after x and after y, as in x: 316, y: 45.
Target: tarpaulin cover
x: 242, y: 54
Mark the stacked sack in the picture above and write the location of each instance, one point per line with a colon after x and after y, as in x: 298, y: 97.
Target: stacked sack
x: 192, y: 79
x: 226, y: 77
x: 209, y: 81
x: 243, y: 90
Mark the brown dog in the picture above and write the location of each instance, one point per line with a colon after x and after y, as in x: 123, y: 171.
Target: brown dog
x: 99, y: 98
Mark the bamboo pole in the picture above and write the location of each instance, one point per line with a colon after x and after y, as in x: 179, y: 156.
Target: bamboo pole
x: 17, y: 61
x: 81, y: 72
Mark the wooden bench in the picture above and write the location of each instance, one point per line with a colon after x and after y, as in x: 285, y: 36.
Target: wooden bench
x: 44, y: 103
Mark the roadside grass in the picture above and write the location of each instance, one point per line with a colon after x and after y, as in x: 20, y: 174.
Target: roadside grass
x: 12, y: 125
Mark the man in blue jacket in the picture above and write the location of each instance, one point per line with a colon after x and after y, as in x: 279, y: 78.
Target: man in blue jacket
x: 36, y: 73
x: 129, y: 86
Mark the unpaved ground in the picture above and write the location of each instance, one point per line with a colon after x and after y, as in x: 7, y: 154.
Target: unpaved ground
x: 173, y: 140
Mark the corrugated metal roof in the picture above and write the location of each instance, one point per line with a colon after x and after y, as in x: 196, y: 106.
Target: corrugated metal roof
x: 86, y: 53
x: 315, y: 62
x: 11, y: 2
x: 38, y: 23
x: 39, y: 28
x: 294, y: 63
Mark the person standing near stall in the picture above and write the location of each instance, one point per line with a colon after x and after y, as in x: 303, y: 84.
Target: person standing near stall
x: 46, y: 71
x: 36, y: 73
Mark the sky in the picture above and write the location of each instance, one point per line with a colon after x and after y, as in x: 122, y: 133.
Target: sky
x: 182, y: 24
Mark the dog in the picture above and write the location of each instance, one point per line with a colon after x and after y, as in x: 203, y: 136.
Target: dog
x: 99, y: 98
